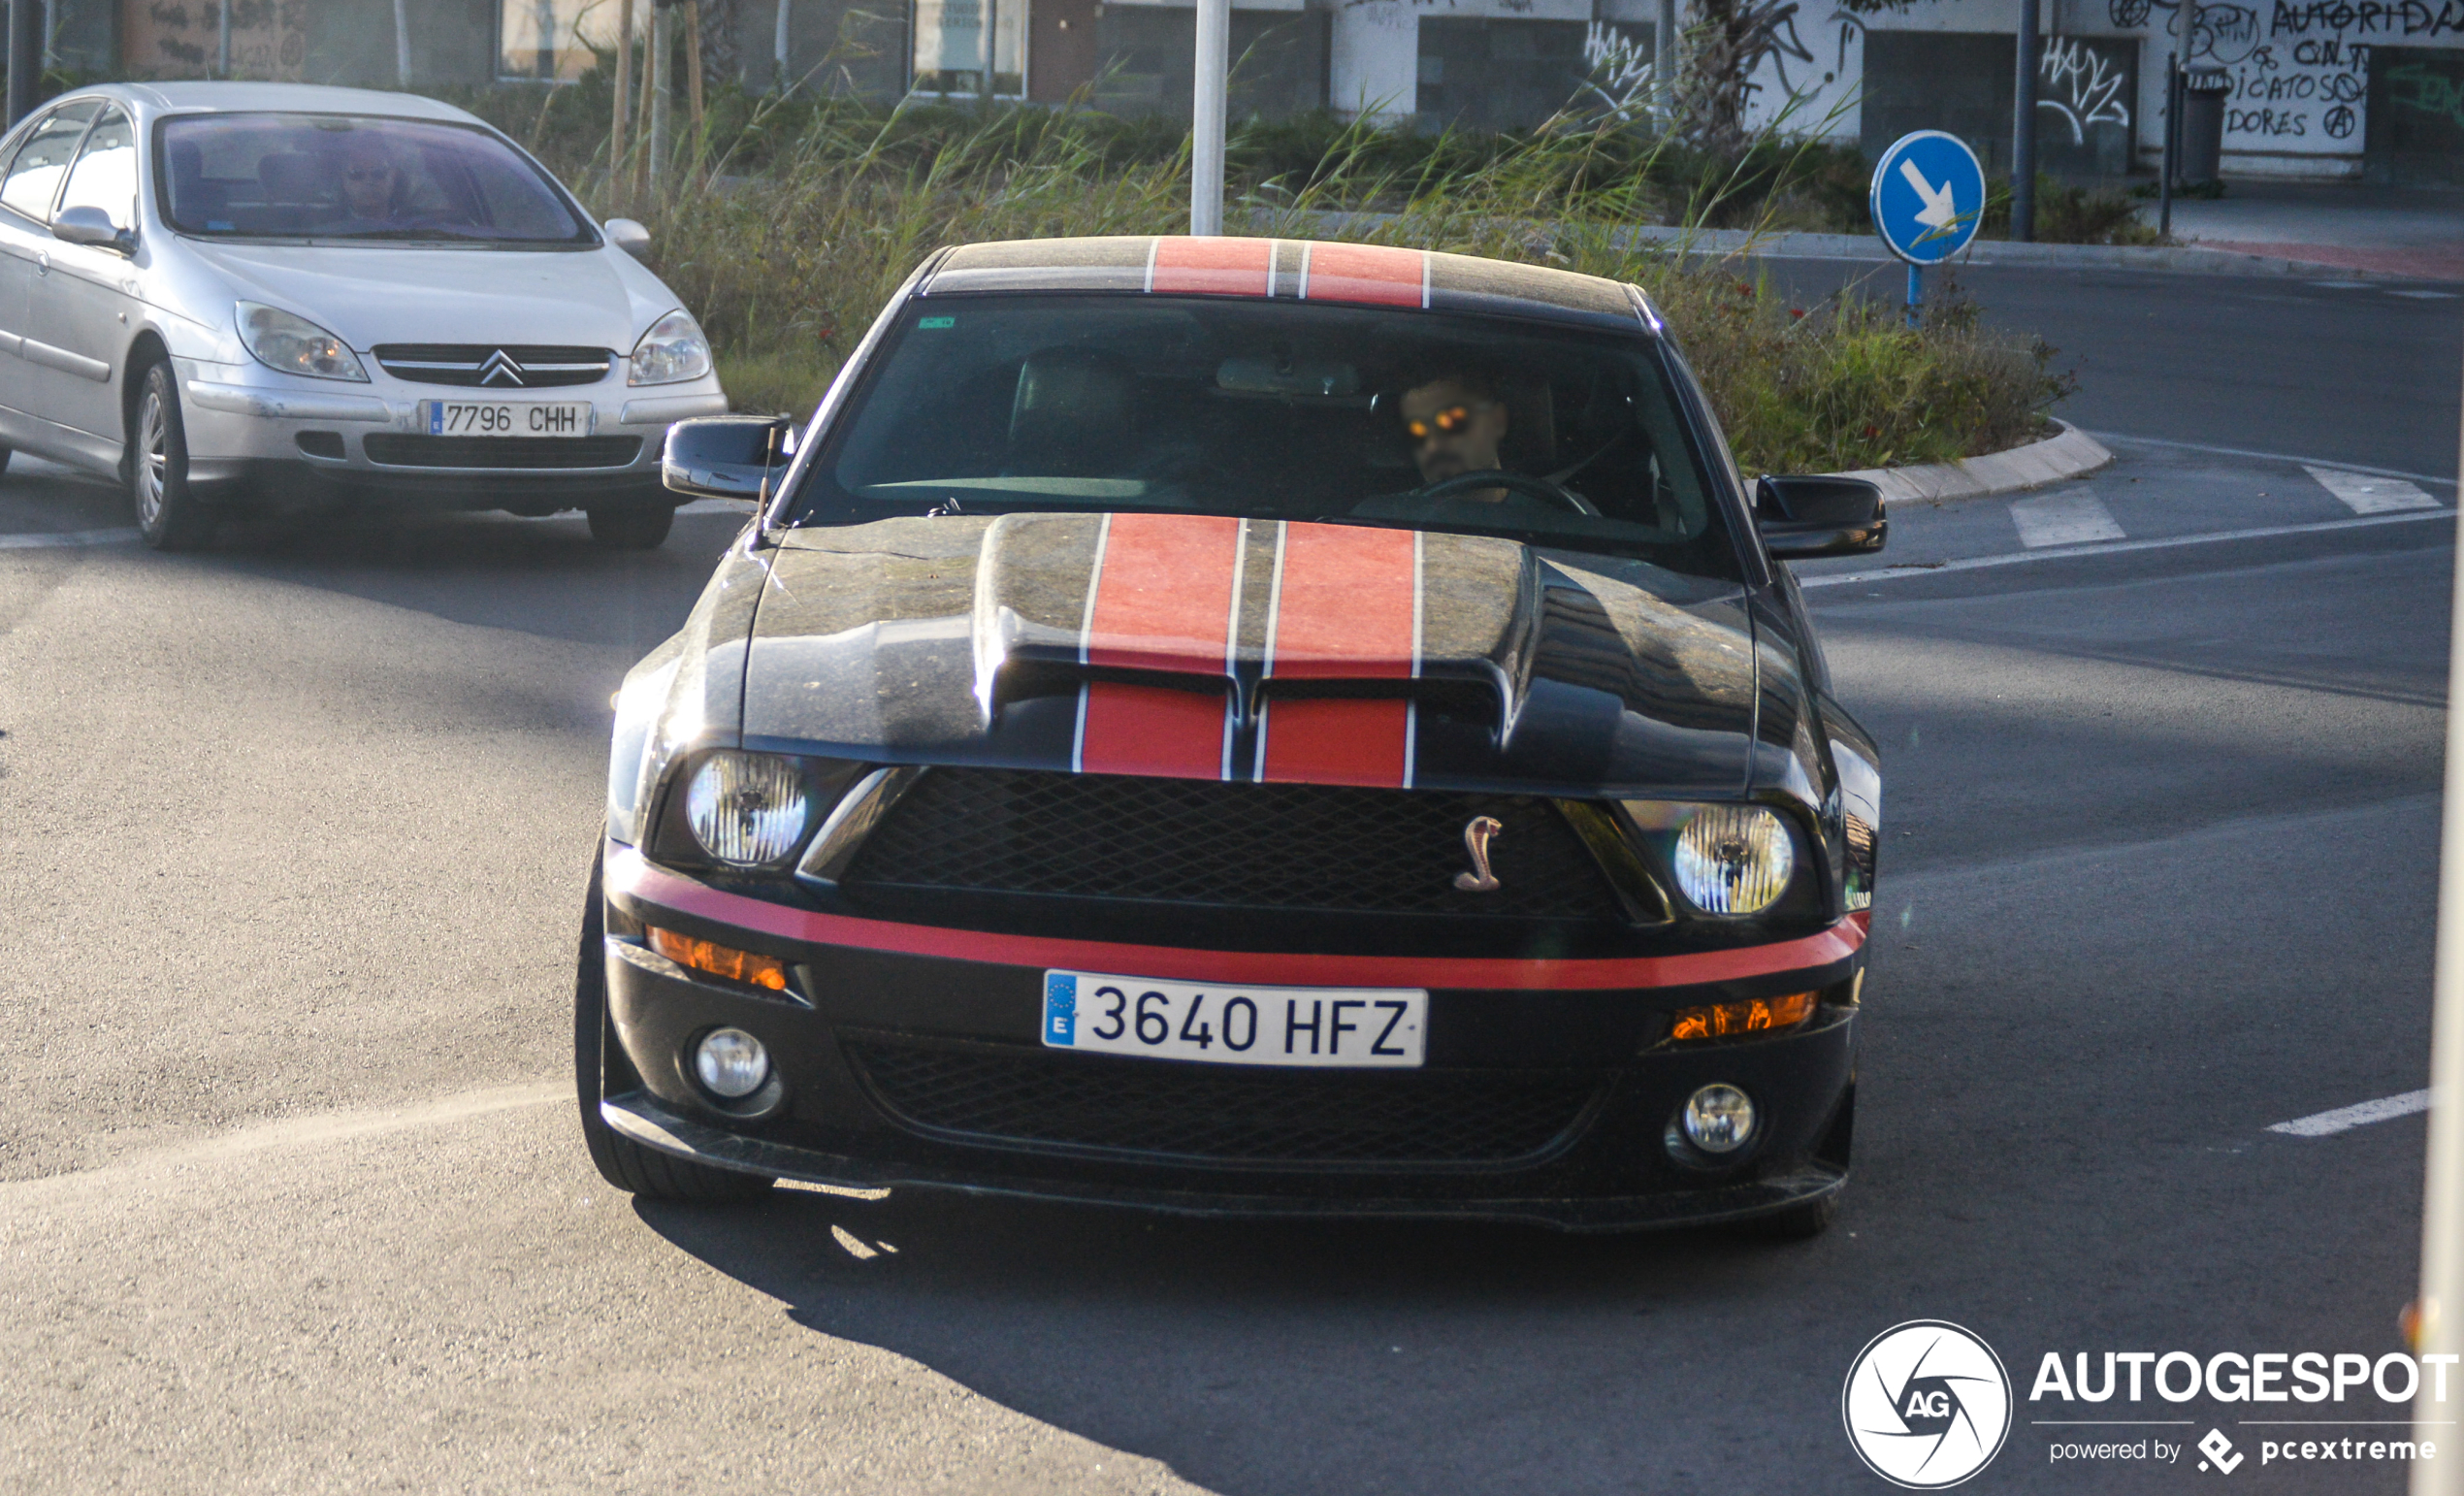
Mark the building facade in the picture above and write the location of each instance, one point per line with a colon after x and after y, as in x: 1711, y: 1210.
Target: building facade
x: 2317, y: 89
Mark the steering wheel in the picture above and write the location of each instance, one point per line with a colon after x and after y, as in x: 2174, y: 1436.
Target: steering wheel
x: 1542, y: 489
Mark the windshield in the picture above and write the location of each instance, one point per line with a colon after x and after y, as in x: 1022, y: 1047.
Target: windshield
x: 333, y: 176
x: 1275, y: 409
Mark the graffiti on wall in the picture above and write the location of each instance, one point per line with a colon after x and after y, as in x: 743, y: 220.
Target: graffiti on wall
x: 2081, y: 84
x: 2299, y: 69
x: 1620, y: 63
x: 183, y: 39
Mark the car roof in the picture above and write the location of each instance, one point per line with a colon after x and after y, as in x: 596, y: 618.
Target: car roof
x: 1288, y: 270
x: 220, y: 95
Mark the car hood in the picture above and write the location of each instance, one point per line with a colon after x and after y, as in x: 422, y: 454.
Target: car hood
x: 1194, y: 646
x: 369, y: 295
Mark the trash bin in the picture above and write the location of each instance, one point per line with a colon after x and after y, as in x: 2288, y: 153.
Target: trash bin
x: 2203, y: 93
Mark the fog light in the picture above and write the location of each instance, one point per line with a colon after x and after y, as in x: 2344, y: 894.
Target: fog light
x: 1717, y: 1118
x: 732, y: 1063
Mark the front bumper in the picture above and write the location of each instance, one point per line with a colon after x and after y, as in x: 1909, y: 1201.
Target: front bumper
x: 840, y: 1120
x: 280, y: 438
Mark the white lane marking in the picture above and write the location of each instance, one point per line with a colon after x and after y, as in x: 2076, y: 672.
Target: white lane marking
x: 1975, y: 562
x: 738, y: 506
x: 2367, y: 495
x: 28, y: 542
x: 2277, y: 457
x: 2426, y: 296
x: 2064, y: 519
x: 2361, y: 1115
x: 2342, y: 285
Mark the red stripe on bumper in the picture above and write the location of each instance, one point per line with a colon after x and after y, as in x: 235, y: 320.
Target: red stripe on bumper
x: 1153, y: 730
x: 1213, y: 267
x: 1163, y: 599
x: 1337, y: 740
x: 1374, y: 274
x: 627, y: 874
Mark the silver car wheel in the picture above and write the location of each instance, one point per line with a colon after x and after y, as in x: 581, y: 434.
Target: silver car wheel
x: 153, y: 459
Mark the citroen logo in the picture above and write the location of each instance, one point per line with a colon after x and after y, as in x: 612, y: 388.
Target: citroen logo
x: 1477, y: 832
x: 499, y: 369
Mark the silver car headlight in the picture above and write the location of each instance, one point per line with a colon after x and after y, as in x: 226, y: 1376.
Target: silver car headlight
x: 294, y: 345
x: 672, y: 351
x: 1733, y: 859
x: 747, y: 809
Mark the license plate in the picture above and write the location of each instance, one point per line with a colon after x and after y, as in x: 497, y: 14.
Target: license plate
x: 1328, y: 1027
x: 506, y: 419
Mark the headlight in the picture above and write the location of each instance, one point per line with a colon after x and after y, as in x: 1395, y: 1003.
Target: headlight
x: 294, y: 345
x: 1733, y: 859
x: 747, y: 809
x: 671, y: 351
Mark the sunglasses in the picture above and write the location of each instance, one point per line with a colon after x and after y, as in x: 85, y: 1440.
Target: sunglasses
x: 1446, y: 422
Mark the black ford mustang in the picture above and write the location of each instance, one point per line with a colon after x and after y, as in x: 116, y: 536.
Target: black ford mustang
x: 1243, y: 726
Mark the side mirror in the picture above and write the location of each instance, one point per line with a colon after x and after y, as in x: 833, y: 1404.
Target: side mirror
x: 627, y: 235
x: 91, y: 226
x: 1804, y: 517
x: 726, y: 456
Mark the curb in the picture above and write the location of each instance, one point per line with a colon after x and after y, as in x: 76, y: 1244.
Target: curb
x: 2069, y: 454
x: 2185, y: 258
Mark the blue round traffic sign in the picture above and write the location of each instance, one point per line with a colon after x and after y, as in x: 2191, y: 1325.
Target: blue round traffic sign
x: 1928, y: 196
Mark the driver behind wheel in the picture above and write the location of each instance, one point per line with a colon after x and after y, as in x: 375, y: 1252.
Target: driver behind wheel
x: 1455, y: 423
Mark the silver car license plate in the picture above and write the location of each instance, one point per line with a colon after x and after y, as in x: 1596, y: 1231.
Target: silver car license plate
x: 506, y: 417
x: 1326, y: 1027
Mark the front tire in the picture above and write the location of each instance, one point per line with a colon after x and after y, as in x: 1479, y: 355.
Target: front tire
x: 623, y: 1163
x: 169, y: 515
x: 630, y: 527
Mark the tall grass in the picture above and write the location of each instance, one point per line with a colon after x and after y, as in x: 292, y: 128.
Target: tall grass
x: 788, y: 243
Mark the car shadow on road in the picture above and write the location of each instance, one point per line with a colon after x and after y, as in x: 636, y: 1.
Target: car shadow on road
x: 1265, y: 1358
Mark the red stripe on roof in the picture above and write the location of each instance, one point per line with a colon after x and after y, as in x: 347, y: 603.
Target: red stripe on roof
x: 1163, y: 599
x: 1345, y: 603
x: 629, y: 875
x: 1337, y: 740
x: 1213, y: 267
x: 1152, y: 730
x: 1374, y: 274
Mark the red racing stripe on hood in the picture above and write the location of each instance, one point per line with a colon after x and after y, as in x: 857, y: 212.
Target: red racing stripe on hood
x: 1347, y: 607
x: 1371, y: 274
x: 1162, y: 599
x: 629, y: 875
x: 1212, y: 267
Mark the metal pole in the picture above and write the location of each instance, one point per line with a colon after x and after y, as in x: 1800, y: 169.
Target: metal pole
x: 2024, y: 130
x: 1206, y: 117
x: 50, y: 34
x: 618, y: 171
x: 2164, y: 157
x: 1916, y: 293
x: 2437, y: 1333
x: 25, y: 57
x: 778, y: 49
x: 222, y: 67
x: 1664, y: 61
x: 657, y: 81
x: 402, y: 44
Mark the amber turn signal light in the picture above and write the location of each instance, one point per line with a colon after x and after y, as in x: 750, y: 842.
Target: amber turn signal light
x: 1753, y: 1016
x: 719, y: 960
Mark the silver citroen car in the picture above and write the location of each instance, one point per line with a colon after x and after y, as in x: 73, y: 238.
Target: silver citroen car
x: 279, y: 298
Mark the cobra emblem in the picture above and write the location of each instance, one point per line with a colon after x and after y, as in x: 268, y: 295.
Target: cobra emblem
x: 1477, y: 832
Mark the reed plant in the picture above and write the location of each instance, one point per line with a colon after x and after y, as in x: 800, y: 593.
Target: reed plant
x: 790, y: 239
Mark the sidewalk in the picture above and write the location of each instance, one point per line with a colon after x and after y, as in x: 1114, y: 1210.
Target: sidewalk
x: 2395, y: 231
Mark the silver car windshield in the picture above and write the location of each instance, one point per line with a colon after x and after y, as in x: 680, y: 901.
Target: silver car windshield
x: 334, y: 176
x: 1555, y: 435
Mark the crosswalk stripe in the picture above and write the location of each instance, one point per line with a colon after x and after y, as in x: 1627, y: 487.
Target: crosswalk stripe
x: 2346, y: 1117
x: 2063, y: 519
x: 2370, y: 495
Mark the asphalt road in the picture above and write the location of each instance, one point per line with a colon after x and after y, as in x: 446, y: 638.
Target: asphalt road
x: 292, y: 837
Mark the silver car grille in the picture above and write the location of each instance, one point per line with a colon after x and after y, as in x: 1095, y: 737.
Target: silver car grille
x: 491, y: 366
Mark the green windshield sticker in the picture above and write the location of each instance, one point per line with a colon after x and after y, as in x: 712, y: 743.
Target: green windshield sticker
x: 928, y: 324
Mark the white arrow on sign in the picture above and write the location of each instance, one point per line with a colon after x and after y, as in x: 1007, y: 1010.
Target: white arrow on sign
x: 1938, y: 211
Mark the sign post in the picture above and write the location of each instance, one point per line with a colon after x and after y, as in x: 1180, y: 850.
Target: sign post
x: 1206, y: 117
x: 1928, y: 200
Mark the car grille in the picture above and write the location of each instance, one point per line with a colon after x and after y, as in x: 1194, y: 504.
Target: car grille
x: 1268, y: 846
x: 1095, y: 1103
x: 397, y: 450
x: 489, y: 366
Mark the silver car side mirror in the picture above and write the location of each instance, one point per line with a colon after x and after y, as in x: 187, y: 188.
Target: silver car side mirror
x: 82, y: 225
x: 627, y: 235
